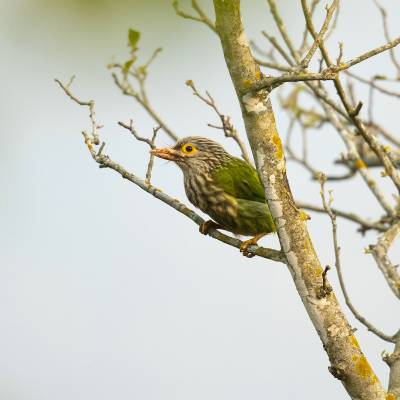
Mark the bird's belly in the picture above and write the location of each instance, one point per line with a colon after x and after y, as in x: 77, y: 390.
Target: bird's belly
x: 239, y: 216
x: 212, y: 201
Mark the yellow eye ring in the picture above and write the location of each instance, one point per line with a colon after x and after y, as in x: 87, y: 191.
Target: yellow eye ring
x: 188, y: 148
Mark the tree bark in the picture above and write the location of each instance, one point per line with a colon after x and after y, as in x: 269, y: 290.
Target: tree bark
x: 348, y: 362
x: 393, y: 361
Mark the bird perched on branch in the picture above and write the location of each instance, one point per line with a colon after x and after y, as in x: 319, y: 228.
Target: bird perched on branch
x: 225, y: 187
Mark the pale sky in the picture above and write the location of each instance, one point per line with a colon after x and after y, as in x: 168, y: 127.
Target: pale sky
x: 107, y: 293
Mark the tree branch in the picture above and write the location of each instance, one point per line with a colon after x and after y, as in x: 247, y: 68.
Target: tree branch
x: 393, y: 361
x: 371, y: 53
x: 325, y: 313
x: 380, y: 254
x: 327, y: 206
x: 329, y: 73
x: 354, y: 156
x: 282, y: 29
x: 364, y: 224
x: 272, y: 82
x: 104, y: 161
x: 201, y: 16
x: 150, y: 142
x: 329, y: 14
x: 383, y: 12
x: 351, y: 111
x: 372, y: 83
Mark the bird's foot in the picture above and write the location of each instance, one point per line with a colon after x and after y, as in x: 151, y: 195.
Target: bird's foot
x: 251, y: 242
x: 206, y: 226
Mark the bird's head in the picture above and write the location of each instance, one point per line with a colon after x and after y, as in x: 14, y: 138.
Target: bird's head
x: 194, y: 154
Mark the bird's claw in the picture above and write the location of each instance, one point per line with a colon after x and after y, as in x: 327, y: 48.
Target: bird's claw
x: 251, y: 242
x: 244, y: 247
x: 206, y: 226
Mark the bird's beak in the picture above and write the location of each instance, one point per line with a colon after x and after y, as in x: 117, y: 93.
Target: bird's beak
x: 165, y: 153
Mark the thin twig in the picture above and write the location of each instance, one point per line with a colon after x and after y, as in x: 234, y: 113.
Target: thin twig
x: 277, y: 46
x: 272, y: 82
x: 386, y: 134
x: 387, y: 36
x: 152, y: 156
x: 327, y: 206
x: 201, y: 16
x: 150, y: 142
x: 365, y: 56
x: 273, y: 65
x: 89, y: 104
x: 303, y: 161
x: 227, y: 126
x: 371, y: 105
x: 372, y: 82
x: 282, y: 29
x: 352, y: 217
x: 303, y: 45
x: 128, y: 90
x: 354, y: 156
x: 380, y: 254
x: 329, y: 13
x: 335, y: 21
x: 139, y: 74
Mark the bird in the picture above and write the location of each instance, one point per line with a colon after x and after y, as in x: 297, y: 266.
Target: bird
x: 226, y: 188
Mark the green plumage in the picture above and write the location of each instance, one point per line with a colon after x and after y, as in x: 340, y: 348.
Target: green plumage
x: 226, y: 188
x: 240, y: 180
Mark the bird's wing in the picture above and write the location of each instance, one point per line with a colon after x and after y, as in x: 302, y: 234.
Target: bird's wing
x: 240, y: 180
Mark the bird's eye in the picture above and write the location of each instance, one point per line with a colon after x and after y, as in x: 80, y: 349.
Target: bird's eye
x: 188, y: 148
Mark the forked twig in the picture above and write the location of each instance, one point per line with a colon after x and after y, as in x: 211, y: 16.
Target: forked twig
x: 227, y: 126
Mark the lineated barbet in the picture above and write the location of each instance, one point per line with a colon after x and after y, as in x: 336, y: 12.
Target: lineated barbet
x: 225, y: 187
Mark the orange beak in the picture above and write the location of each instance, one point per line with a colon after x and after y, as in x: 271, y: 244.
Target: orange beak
x: 165, y: 153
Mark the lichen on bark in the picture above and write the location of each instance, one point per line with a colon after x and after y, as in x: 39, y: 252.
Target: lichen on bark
x: 325, y: 313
